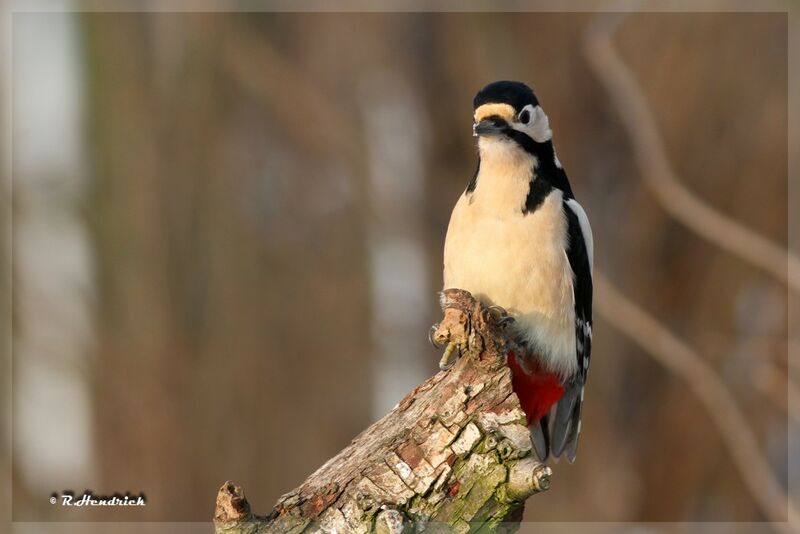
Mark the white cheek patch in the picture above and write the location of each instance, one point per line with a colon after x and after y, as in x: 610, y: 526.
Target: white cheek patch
x: 538, y: 127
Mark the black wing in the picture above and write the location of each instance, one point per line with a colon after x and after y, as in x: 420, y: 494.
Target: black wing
x: 567, y: 422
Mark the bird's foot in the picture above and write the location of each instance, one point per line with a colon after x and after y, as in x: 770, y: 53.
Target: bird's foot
x: 452, y: 334
x: 499, y: 316
x: 432, y: 336
x: 451, y: 354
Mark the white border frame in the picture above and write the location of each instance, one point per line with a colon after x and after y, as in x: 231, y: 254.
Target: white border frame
x: 10, y: 7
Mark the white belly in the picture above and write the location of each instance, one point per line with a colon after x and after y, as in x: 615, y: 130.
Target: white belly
x: 519, y: 262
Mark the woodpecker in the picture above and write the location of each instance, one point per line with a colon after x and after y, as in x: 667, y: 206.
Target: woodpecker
x: 518, y: 239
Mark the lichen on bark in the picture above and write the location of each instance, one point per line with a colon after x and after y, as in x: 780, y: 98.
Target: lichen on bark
x: 453, y: 456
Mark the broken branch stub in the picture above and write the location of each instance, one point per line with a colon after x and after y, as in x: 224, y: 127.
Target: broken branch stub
x: 454, y: 454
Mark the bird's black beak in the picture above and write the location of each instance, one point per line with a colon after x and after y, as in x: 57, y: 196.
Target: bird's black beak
x: 493, y: 125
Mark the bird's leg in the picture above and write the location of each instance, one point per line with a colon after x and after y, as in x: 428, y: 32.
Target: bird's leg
x: 506, y: 323
x: 519, y: 350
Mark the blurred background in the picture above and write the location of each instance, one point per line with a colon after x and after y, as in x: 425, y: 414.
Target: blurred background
x: 227, y: 243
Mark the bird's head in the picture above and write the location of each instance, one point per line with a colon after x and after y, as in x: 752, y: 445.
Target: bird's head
x: 508, y: 117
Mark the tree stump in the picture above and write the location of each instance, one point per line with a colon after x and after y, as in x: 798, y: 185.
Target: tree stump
x: 454, y: 455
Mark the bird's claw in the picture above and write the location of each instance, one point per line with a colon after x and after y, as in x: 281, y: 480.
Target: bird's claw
x: 494, y: 312
x: 447, y: 361
x: 432, y: 336
x: 499, y: 315
x: 506, y: 322
x: 497, y: 309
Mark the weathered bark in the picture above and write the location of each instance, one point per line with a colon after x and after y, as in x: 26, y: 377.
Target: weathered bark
x: 454, y: 455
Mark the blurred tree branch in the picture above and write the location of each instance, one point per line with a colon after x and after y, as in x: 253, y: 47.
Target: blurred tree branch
x: 294, y: 99
x: 454, y: 454
x: 719, y: 230
x: 659, y: 175
x: 771, y: 380
x: 655, y: 339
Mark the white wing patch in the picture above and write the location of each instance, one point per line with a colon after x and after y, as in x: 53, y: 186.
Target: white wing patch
x: 586, y: 230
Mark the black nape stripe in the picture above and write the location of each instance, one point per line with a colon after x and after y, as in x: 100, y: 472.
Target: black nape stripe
x: 545, y: 160
x: 539, y: 189
x: 473, y: 183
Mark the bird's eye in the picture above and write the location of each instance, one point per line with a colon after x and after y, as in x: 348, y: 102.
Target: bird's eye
x: 524, y: 116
